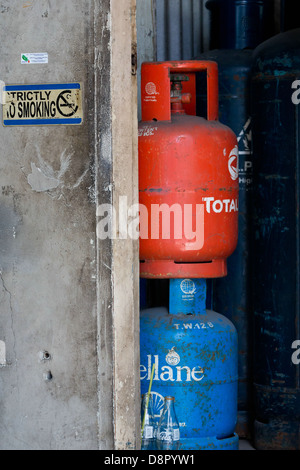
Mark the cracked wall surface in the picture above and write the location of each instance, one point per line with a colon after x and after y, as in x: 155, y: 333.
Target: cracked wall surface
x: 48, y: 321
x: 69, y: 330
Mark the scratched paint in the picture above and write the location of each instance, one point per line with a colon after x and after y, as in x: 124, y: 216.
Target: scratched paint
x: 276, y: 243
x: 195, y: 358
x: 186, y: 161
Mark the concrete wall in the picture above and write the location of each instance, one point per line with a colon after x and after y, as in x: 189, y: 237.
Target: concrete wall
x: 68, y: 301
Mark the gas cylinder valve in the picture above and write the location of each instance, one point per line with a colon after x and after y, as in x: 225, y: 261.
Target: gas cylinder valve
x: 176, y: 89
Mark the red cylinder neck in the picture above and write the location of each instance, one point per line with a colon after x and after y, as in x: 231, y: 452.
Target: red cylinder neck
x: 177, y: 108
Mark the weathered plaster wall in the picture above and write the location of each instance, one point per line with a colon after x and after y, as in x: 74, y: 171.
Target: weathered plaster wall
x: 125, y: 251
x: 58, y: 296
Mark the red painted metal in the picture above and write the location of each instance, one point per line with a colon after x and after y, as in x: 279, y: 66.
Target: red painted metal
x: 190, y: 164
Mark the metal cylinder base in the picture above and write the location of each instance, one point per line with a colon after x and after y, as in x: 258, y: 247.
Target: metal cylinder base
x: 210, y: 443
x: 277, y: 435
x: 203, y: 443
x: 166, y: 269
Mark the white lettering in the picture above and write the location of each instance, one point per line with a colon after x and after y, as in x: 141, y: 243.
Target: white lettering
x: 208, y: 200
x: 2, y: 354
x: 123, y: 209
x: 217, y: 209
x: 188, y: 373
x: 134, y: 224
x: 296, y: 354
x: 227, y: 205
x: 232, y: 206
x: 195, y: 372
x: 226, y: 202
x: 106, y: 228
x: 142, y: 370
x: 247, y: 165
x: 156, y: 368
x: 295, y: 95
x: 198, y: 235
x: 165, y: 211
x: 143, y: 222
x: 168, y: 374
x: 115, y: 460
x: 146, y: 131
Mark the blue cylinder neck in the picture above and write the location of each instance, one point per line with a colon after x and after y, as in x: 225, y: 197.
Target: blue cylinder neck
x: 241, y: 24
x: 187, y: 296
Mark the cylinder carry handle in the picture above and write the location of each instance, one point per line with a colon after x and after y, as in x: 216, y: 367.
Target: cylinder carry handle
x: 156, y: 82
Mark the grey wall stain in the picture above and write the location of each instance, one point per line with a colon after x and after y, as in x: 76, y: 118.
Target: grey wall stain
x: 44, y: 177
x: 41, y: 182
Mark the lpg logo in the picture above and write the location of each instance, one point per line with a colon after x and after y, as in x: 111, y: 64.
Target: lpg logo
x: 151, y: 92
x: 172, y: 357
x: 151, y: 89
x: 187, y: 286
x: 233, y: 163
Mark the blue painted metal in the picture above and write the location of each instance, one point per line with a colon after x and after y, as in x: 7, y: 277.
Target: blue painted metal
x: 202, y: 443
x: 289, y: 17
x: 241, y: 24
x: 187, y: 296
x: 210, y: 443
x: 276, y: 241
x: 143, y: 294
x: 195, y: 357
x: 232, y: 295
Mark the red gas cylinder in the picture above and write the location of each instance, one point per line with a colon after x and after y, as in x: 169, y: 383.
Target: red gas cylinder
x: 188, y: 176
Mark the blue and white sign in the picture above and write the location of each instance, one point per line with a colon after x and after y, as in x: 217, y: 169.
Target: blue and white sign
x: 41, y: 105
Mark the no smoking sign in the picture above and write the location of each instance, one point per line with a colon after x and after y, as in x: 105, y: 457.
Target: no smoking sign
x: 28, y: 105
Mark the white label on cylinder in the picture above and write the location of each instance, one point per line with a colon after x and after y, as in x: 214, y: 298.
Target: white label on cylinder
x: 148, y: 432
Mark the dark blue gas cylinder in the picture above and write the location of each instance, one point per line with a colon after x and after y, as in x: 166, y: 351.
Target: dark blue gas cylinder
x: 276, y: 241
x: 239, y: 24
x: 143, y: 294
x: 237, y: 28
x: 194, y: 353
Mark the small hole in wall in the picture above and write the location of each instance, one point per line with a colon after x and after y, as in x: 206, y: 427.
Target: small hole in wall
x: 48, y: 376
x: 44, y: 356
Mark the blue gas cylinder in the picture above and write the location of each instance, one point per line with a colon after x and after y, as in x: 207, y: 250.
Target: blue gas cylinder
x: 237, y: 27
x: 275, y: 84
x: 194, y: 353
